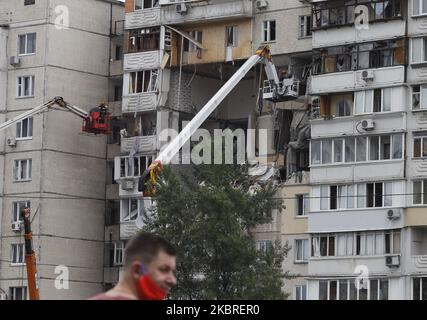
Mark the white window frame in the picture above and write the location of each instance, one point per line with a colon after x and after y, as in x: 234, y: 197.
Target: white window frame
x: 423, y: 44
x: 119, y: 251
x: 17, y: 168
x: 420, y: 12
x: 16, y: 209
x: 154, y: 4
x: 303, y: 245
x: 125, y: 207
x: 12, y: 293
x: 129, y: 170
x: 26, y: 53
x: 21, y: 89
x: 152, y: 85
x: 198, y: 36
x: 266, y: 31
x: 422, y: 99
x: 263, y: 245
x: 304, y: 25
x: 20, y: 248
x: 29, y: 123
x: 302, y: 288
x: 235, y: 32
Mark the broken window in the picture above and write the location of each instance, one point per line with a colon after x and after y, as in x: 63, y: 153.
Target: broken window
x: 231, y: 39
x: 142, y: 40
x: 146, y: 4
x: 143, y: 81
x: 377, y: 54
x: 336, y: 13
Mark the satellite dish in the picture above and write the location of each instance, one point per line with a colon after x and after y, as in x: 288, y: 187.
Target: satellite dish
x: 139, y: 222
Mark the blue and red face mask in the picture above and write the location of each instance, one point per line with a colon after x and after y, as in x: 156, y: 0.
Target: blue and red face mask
x: 148, y: 289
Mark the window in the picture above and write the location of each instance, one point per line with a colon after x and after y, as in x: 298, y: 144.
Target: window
x: 302, y: 204
x: 301, y: 250
x: 118, y: 93
x: 345, y: 289
x: 263, y: 245
x: 198, y: 36
x: 27, y: 44
x: 142, y: 40
x: 146, y: 4
x: 16, y: 209
x: 419, y: 50
x: 17, y: 253
x: 22, y: 170
x: 419, y: 7
x: 304, y: 27
x: 119, y: 248
x: 134, y: 166
x: 323, y: 245
x: 119, y: 53
x: 418, y: 191
x: 129, y: 209
x: 231, y: 39
x: 420, y: 147
x: 419, y: 97
x: 419, y: 288
x: 392, y: 242
x: 143, y: 81
x: 269, y: 31
x: 24, y: 129
x: 301, y: 292
x: 327, y: 15
x: 361, y: 56
x: 368, y: 195
x: 18, y: 293
x: 25, y: 86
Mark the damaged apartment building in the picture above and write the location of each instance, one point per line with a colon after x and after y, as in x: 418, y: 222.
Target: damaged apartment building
x: 176, y: 57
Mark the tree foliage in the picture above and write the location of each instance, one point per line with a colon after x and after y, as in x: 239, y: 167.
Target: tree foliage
x: 208, y: 214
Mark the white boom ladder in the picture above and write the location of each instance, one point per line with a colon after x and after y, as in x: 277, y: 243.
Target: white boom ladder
x: 176, y: 144
x: 42, y: 108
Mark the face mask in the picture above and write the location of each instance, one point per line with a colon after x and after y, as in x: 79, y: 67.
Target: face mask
x: 148, y: 288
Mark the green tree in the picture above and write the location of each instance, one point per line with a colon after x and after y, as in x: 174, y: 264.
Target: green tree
x: 208, y: 213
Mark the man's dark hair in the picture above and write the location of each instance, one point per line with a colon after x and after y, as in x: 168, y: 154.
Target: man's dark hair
x: 145, y: 246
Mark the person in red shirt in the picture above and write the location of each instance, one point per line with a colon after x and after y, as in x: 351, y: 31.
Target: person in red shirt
x: 149, y: 270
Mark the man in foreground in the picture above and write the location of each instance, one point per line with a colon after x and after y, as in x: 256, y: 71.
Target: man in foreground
x: 150, y: 265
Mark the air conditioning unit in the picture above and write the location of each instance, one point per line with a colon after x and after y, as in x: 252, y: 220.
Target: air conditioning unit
x: 368, y: 124
x: 14, y: 60
x: 11, y: 142
x: 3, y: 296
x: 16, y: 226
x: 392, y: 260
x: 393, y: 214
x: 181, y: 8
x: 127, y: 185
x: 368, y: 75
x: 261, y: 4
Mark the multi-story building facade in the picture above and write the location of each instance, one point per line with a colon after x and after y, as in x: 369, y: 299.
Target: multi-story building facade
x: 366, y: 176
x: 50, y: 49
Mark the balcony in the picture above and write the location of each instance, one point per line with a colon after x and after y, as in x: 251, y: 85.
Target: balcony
x: 211, y: 12
x: 340, y: 266
x: 354, y: 220
x: 142, y: 102
x: 354, y: 80
x: 142, y: 18
x: 142, y: 61
x: 143, y: 144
